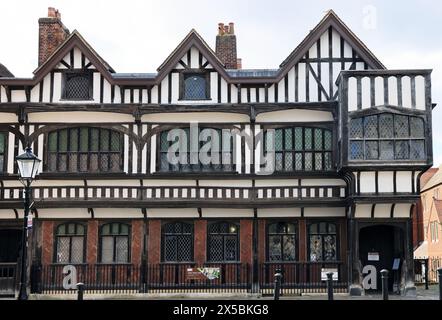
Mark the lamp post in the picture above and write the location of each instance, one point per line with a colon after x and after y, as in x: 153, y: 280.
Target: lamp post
x: 28, y: 165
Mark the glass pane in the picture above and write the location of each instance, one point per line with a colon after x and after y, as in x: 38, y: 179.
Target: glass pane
x: 273, y: 228
x: 116, y: 141
x: 77, y: 250
x: 327, y: 140
x: 63, y: 140
x: 318, y: 139
x: 93, y: 157
x: 104, y: 162
x: 288, y: 165
x: 298, y: 161
x: 278, y: 140
x: 278, y: 161
x: 105, y: 230
x: 417, y: 149
x: 401, y: 149
x: 330, y: 248
x: 124, y: 229
x: 115, y: 228
x: 52, y: 141
x: 80, y: 229
x: 288, y: 137
x: 73, y: 137
x: 386, y: 126
x: 275, y: 253
x: 231, y: 246
x: 94, y: 139
x: 63, y: 249
x: 61, y: 230
x: 289, y: 248
x: 84, y: 139
x: 104, y: 140
x: 52, y: 162
x: 371, y: 150
x: 327, y: 161
x: 401, y: 126
x: 356, y: 150
x: 71, y: 228
x: 77, y: 86
x: 62, y: 161
x: 386, y: 151
x: 298, y: 139
x: 416, y: 127
x: 107, y: 249
x: 290, y: 228
x: 308, y: 163
x: 115, y: 162
x: 2, y: 142
x: 314, y: 228
x: 371, y: 127
x: 2, y: 163
x: 83, y: 162
x: 315, y: 248
x: 194, y: 87
x: 122, y: 249
x: 215, y: 248
x: 184, y: 248
x: 308, y: 138
x: 356, y: 128
x: 318, y: 161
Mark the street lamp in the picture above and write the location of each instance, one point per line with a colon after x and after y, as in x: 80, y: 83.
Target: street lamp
x: 28, y: 165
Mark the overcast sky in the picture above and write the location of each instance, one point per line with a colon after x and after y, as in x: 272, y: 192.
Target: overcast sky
x: 136, y: 36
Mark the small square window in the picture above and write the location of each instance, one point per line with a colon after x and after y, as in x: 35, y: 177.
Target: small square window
x: 195, y: 86
x: 77, y: 86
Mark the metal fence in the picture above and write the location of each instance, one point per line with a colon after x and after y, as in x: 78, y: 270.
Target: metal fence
x: 297, y: 278
x: 8, y: 278
x: 429, y: 266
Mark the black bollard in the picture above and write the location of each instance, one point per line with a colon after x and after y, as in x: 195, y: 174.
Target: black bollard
x: 439, y: 271
x: 278, y: 276
x: 384, y: 276
x: 330, y: 285
x: 80, y: 290
x: 426, y: 273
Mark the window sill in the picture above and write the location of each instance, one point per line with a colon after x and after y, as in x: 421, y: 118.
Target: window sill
x: 67, y: 100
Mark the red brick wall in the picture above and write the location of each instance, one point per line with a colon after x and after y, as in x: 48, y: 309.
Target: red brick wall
x: 246, y: 238
x: 261, y: 240
x: 200, y: 241
x: 47, y: 245
x: 154, y: 241
x: 92, y: 241
x: 302, y: 239
x: 137, y: 241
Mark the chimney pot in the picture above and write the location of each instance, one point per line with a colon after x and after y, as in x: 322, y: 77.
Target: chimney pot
x: 231, y: 28
x: 226, y: 45
x: 226, y: 29
x: 52, y: 12
x: 220, y: 29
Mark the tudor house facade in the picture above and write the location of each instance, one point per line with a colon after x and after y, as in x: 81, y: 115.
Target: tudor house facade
x: 352, y: 139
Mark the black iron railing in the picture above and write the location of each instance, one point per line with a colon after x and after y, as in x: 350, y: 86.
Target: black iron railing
x: 8, y: 278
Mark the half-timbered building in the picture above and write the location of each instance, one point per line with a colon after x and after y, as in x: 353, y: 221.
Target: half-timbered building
x: 351, y: 140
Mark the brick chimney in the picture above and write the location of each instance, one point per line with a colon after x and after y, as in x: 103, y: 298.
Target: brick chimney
x: 51, y: 34
x: 226, y: 45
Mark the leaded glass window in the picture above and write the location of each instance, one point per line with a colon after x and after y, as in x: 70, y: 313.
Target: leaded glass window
x: 302, y: 149
x: 323, y: 242
x: 177, y: 242
x: 195, y: 86
x: 3, y: 148
x: 115, y: 243
x: 213, y: 150
x: 85, y: 149
x: 70, y: 243
x: 223, y: 242
x: 77, y: 85
x: 281, y: 241
x: 387, y: 137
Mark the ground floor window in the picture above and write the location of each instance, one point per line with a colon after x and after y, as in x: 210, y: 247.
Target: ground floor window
x: 114, y: 243
x: 322, y: 242
x: 281, y: 241
x: 70, y: 243
x: 177, y: 242
x: 223, y: 241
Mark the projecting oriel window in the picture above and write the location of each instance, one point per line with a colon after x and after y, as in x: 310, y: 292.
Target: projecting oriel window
x: 77, y: 85
x: 387, y: 136
x: 195, y: 86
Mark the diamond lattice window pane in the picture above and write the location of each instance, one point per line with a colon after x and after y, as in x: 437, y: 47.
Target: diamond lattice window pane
x: 318, y: 139
x: 275, y: 253
x: 63, y: 249
x: 278, y: 161
x: 356, y: 130
x: 289, y: 248
x: 371, y: 127
x: 195, y: 87
x: 308, y: 138
x: 401, y: 126
x: 386, y: 126
x: 356, y: 150
x: 315, y: 248
x: 122, y: 249
x: 278, y: 140
x: 298, y: 161
x: 215, y: 248
x: 107, y: 249
x: 327, y: 161
x: 416, y: 127
x: 170, y: 248
x: 63, y: 140
x: 77, y: 250
x: 73, y: 137
x: 327, y: 140
x: 402, y: 149
x: 77, y: 86
x: 298, y: 139
x: 330, y: 248
x: 2, y: 142
x: 417, y: 149
x: 386, y: 150
x: 288, y: 137
x: 318, y: 161
x: 308, y: 161
x: 288, y: 159
x: 371, y: 150
x: 231, y: 248
x: 184, y: 248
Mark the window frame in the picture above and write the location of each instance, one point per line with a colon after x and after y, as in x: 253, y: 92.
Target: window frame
x: 338, y: 242
x: 281, y: 235
x: 237, y: 234
x: 70, y: 236
x: 114, y: 236
x: 323, y: 151
x: 66, y: 73
x: 394, y: 139
x: 188, y: 73
x: 176, y: 235
x: 4, y: 169
x: 78, y: 153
